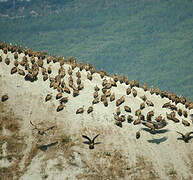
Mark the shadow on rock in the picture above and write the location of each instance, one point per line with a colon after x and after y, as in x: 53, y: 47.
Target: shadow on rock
x: 45, y: 147
x: 158, y: 140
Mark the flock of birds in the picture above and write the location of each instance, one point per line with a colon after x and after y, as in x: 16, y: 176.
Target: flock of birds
x: 64, y: 84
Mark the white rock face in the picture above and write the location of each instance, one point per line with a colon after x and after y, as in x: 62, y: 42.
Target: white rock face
x: 165, y: 155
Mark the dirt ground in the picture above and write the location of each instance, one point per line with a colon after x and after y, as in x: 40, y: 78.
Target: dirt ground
x: 59, y: 152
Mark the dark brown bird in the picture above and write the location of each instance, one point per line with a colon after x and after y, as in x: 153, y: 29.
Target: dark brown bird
x: 149, y: 125
x: 149, y: 115
x: 48, y: 97
x: 160, y: 125
x: 149, y: 103
x: 118, y: 123
x: 13, y: 70
x: 90, y: 109
x: 134, y: 92
x: 49, y: 70
x: 16, y: 63
x: 80, y: 110
x: 138, y: 112
x: 66, y: 89
x: 80, y: 87
x: 129, y: 118
x: 41, y: 131
x: 95, y: 101
x: 96, y: 88
x: 45, y: 77
x: 145, y: 87
x: 102, y: 74
x: 127, y: 108
x: 121, y: 79
x: 118, y: 111
x: 60, y: 108
x: 179, y: 112
x: 186, y: 137
x: 105, y: 102
x: 142, y: 106
x: 185, y: 114
x: 108, y: 93
x: 157, y: 91
x: 75, y: 93
x: 64, y: 100
x: 81, y: 67
x: 185, y: 123
x: 137, y: 121
x: 159, y: 118
x: 173, y: 107
x: 90, y: 142
x: 7, y: 61
x: 127, y: 81
x: 15, y: 55
x: 95, y: 94
x: 4, y: 98
x: 21, y: 72
x: 89, y: 76
x: 166, y: 105
x: 69, y: 71
x: 144, y: 98
x: 138, y: 134
x: 115, y: 77
x: 151, y: 90
x: 43, y: 70
x: 122, y: 118
x: 107, y: 85
x: 113, y: 83
x: 78, y: 75
x: 59, y: 95
x: 128, y: 91
x: 112, y: 97
x: 78, y: 81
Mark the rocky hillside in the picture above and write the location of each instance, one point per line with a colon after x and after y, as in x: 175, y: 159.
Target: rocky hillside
x: 49, y: 104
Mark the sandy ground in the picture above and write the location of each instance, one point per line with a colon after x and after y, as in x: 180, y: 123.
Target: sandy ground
x: 169, y: 157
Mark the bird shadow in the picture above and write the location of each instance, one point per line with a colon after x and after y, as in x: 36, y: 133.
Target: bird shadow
x: 87, y: 142
x: 45, y: 147
x: 158, y: 140
x: 157, y: 131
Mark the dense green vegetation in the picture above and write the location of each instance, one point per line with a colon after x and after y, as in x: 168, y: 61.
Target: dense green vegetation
x: 147, y: 40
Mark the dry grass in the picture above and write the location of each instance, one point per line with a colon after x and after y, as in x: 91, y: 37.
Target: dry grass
x: 63, y: 149
x: 33, y: 152
x: 14, y: 143
x: 114, y: 165
x: 144, y: 169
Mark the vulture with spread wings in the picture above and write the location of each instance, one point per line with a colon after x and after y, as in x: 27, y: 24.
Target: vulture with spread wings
x: 90, y: 142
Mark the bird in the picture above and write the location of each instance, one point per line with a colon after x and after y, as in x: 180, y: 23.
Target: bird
x: 4, y: 98
x: 41, y: 131
x: 186, y: 137
x: 48, y: 97
x: 138, y: 134
x: 90, y: 142
x: 155, y: 125
x: 185, y: 123
x: 90, y: 109
x: 80, y: 110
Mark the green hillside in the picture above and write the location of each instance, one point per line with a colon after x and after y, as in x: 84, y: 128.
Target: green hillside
x: 147, y: 40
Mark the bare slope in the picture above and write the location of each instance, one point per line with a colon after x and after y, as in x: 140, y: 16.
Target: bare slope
x: 59, y: 152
